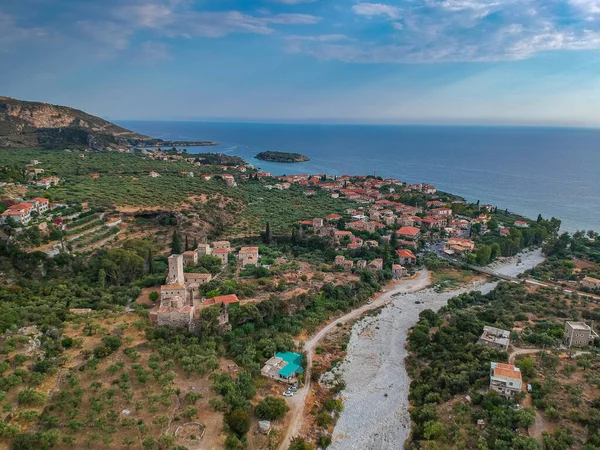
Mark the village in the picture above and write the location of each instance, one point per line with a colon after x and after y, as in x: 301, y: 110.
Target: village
x: 383, y: 234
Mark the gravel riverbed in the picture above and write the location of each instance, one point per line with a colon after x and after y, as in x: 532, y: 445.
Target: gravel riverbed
x: 375, y: 415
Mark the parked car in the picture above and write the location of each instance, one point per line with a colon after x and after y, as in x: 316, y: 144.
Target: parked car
x: 292, y: 389
x: 288, y: 394
x: 369, y: 302
x: 529, y: 388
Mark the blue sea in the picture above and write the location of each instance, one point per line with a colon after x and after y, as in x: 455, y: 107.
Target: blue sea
x: 531, y: 171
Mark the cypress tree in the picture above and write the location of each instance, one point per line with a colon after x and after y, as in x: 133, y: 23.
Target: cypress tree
x: 268, y: 236
x: 176, y: 244
x: 150, y: 261
x: 394, y: 240
x: 187, y: 243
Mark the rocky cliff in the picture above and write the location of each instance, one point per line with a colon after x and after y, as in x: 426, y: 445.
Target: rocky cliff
x: 33, y: 124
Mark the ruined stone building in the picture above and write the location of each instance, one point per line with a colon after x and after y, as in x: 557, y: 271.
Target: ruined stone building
x: 180, y: 300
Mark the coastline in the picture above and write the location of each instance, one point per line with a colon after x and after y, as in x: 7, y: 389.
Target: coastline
x: 375, y: 415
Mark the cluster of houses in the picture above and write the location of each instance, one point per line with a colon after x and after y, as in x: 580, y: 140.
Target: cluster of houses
x: 359, y: 188
x: 407, y: 257
x: 227, y: 178
x: 221, y: 249
x: 157, y: 154
x: 506, y: 379
x: 180, y: 300
x: 22, y: 212
x: 384, y: 214
x: 47, y: 182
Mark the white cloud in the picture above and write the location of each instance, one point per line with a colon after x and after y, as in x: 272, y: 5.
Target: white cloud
x: 11, y: 33
x: 587, y: 6
x: 219, y: 24
x: 147, y: 15
x: 465, y: 31
x: 294, y: 43
x: 292, y: 2
x: 112, y: 34
x: 376, y: 9
x: 320, y: 38
x: 177, y: 18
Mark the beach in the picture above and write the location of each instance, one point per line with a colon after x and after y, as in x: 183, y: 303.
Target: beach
x: 375, y: 415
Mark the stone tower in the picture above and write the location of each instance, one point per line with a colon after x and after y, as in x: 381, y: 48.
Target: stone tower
x: 176, y: 270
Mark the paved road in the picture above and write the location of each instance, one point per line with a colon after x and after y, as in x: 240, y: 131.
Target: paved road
x: 420, y: 281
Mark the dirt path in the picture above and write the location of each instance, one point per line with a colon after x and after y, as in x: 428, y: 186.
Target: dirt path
x: 420, y: 281
x: 540, y: 425
x: 522, y: 351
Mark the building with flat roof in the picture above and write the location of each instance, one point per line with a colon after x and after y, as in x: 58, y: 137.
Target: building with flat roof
x: 578, y: 334
x: 495, y: 337
x: 505, y: 379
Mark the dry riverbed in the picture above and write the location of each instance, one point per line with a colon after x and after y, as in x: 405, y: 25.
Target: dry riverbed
x: 375, y: 415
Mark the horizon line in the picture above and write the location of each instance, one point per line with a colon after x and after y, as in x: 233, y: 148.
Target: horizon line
x: 340, y: 122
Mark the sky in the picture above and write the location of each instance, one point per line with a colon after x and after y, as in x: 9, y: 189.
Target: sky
x: 505, y: 62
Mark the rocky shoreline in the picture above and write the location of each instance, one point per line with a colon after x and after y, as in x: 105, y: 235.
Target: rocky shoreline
x: 375, y: 415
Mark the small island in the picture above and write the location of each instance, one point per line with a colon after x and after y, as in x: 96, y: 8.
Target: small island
x: 282, y: 157
x: 161, y: 143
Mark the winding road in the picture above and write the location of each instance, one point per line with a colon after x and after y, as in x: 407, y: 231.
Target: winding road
x: 297, y: 404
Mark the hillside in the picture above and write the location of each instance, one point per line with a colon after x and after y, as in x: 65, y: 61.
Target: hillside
x: 26, y: 124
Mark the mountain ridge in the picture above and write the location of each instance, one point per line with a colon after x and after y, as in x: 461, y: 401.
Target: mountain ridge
x: 29, y: 124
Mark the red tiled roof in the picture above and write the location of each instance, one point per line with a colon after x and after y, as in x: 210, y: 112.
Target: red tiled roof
x: 507, y: 371
x: 403, y: 253
x: 408, y: 231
